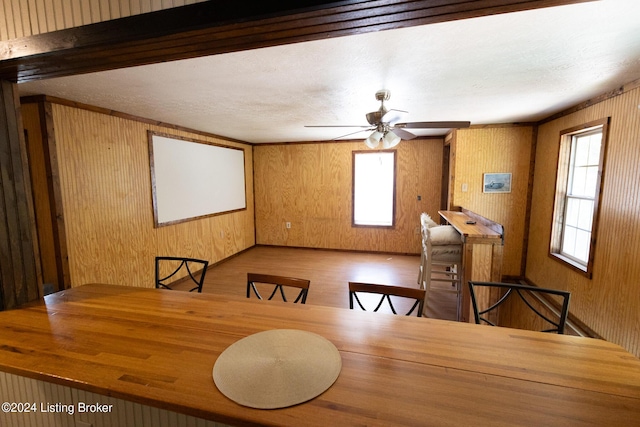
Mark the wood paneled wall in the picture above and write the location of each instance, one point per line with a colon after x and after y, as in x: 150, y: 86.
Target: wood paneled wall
x: 496, y: 149
x: 106, y: 193
x: 22, y: 18
x: 609, y: 303
x: 16, y: 388
x: 310, y: 186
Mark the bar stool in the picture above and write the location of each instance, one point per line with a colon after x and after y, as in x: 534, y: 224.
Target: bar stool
x: 442, y: 248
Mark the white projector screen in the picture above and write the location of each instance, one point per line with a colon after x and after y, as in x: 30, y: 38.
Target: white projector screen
x: 192, y: 179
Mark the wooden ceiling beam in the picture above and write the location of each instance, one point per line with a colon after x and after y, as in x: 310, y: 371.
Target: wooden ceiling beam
x: 215, y: 27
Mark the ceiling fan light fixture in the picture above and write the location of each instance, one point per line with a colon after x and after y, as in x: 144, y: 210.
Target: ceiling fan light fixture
x: 373, y: 140
x: 390, y: 140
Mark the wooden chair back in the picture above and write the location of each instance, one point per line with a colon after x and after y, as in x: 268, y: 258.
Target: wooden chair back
x: 385, y: 292
x: 279, y: 283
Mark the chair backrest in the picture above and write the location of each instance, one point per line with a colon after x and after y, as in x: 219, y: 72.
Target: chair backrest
x: 385, y: 292
x: 521, y: 291
x: 279, y: 282
x: 195, y: 268
x: 426, y: 221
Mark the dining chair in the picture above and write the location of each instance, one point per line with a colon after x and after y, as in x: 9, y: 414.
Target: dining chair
x: 195, y: 272
x: 526, y: 293
x: 386, y: 292
x: 278, y: 283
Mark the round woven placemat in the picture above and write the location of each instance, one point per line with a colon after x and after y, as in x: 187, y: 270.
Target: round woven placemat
x: 277, y: 368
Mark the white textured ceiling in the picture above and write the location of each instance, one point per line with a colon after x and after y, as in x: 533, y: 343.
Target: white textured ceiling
x: 516, y: 67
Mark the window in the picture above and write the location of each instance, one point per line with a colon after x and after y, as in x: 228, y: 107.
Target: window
x: 374, y: 188
x: 578, y: 184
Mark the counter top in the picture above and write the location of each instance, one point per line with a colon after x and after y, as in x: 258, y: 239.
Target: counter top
x: 158, y: 348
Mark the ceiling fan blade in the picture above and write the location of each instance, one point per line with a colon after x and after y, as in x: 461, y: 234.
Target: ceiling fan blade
x: 433, y: 125
x: 403, y: 133
x: 339, y: 126
x: 393, y: 116
x: 353, y: 133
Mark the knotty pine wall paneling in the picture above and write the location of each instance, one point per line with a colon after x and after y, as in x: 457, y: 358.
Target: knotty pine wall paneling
x: 609, y: 303
x: 310, y: 186
x: 22, y: 18
x: 106, y: 191
x: 488, y: 150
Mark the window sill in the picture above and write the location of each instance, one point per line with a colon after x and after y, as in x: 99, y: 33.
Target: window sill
x: 575, y: 266
x: 392, y: 226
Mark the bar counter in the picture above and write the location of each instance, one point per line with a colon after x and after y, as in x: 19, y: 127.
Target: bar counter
x: 482, y: 248
x: 158, y: 347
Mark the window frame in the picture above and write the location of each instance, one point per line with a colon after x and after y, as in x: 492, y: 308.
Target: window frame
x: 561, y: 190
x: 353, y: 188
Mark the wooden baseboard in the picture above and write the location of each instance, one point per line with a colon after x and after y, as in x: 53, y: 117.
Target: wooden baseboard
x: 354, y: 251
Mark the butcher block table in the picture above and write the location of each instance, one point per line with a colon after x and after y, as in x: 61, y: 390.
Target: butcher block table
x: 158, y: 348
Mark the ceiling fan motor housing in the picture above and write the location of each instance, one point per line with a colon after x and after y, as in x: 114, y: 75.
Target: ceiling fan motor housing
x: 375, y: 117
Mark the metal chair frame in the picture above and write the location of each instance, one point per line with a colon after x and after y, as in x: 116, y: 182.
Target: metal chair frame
x: 279, y: 282
x: 520, y: 289
x: 387, y: 291
x: 188, y: 263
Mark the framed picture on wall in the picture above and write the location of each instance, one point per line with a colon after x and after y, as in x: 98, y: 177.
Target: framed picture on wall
x: 497, y: 183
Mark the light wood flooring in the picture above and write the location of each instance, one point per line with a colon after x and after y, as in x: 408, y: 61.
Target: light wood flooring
x: 329, y: 273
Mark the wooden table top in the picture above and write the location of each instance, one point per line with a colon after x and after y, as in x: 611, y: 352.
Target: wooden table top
x: 158, y: 347
x: 471, y: 233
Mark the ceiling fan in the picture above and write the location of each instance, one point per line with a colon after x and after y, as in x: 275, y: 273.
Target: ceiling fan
x: 386, y: 126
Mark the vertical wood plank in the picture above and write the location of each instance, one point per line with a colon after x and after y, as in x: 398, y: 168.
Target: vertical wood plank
x: 58, y: 7
x: 126, y: 7
x: 85, y: 12
x: 67, y: 14
x: 145, y: 6
x: 39, y: 15
x: 94, y: 11
x: 75, y: 8
x: 38, y: 170
x: 18, y: 268
x: 55, y: 197
x: 48, y: 16
x: 9, y: 19
x: 24, y: 17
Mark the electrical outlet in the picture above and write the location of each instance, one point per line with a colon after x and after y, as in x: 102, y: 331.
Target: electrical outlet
x: 465, y: 187
x: 287, y: 224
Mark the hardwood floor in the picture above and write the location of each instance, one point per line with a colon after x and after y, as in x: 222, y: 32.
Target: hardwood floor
x: 329, y: 273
